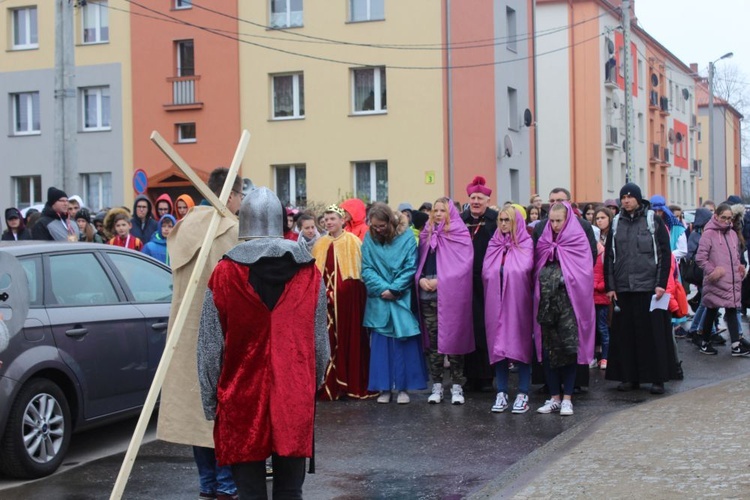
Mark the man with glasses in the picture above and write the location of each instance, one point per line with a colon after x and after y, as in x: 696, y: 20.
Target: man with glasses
x: 637, y: 263
x: 55, y: 225
x: 181, y: 418
x: 143, y: 225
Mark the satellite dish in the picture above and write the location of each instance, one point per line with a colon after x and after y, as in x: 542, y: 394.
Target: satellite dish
x: 670, y: 136
x: 685, y: 94
x: 527, y: 117
x: 624, y: 144
x: 508, y: 145
x: 610, y: 46
x: 654, y: 80
x: 679, y: 136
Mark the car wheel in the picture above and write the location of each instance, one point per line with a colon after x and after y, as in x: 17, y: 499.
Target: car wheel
x: 37, y: 433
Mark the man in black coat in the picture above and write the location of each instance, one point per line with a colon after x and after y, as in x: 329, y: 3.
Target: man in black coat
x: 482, y: 223
x: 55, y: 225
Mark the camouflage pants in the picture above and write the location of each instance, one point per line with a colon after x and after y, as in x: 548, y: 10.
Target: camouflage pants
x: 434, y: 358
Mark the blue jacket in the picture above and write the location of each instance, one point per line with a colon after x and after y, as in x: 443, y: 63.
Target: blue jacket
x: 390, y: 267
x: 157, y: 247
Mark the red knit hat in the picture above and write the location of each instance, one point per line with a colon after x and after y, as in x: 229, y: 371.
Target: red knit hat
x: 478, y: 186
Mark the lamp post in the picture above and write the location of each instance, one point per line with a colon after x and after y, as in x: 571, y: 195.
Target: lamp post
x: 711, y: 163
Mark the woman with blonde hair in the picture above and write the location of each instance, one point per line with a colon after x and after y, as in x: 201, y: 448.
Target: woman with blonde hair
x: 446, y: 256
x: 507, y: 278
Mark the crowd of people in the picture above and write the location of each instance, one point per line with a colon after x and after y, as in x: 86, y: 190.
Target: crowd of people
x: 443, y: 296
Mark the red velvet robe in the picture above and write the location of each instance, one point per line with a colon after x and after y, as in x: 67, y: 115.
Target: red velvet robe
x: 266, y: 390
x: 348, y: 370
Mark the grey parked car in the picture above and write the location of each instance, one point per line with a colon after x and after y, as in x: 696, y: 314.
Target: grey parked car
x: 91, y: 324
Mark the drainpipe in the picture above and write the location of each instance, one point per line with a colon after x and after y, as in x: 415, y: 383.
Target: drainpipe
x: 535, y: 118
x: 449, y: 89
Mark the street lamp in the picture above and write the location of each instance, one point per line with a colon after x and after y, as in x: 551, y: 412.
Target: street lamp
x: 711, y: 162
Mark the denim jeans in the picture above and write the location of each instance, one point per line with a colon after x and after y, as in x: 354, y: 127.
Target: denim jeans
x: 214, y: 479
x: 602, y: 313
x: 524, y: 376
x: 698, y: 320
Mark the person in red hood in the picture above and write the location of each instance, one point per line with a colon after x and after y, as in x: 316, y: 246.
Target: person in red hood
x: 163, y: 206
x: 354, y: 219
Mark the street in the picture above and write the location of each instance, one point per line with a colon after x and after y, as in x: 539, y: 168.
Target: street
x: 367, y: 450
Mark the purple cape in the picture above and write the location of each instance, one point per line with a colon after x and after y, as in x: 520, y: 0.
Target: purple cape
x: 509, y: 305
x: 455, y: 260
x: 571, y: 247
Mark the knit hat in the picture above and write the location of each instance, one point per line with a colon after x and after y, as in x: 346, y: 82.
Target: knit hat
x: 83, y: 214
x: 632, y: 189
x: 478, y: 186
x: 404, y: 206
x: 54, y: 194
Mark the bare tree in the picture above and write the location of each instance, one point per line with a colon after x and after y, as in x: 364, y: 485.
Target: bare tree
x: 732, y: 85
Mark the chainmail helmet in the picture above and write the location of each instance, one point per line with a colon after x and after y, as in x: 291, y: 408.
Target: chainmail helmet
x: 261, y: 215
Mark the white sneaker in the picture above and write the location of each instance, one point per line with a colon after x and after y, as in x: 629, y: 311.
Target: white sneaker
x: 457, y: 395
x: 501, y: 403
x: 550, y: 406
x: 385, y: 397
x: 567, y: 407
x: 437, y: 394
x: 402, y: 398
x: 521, y: 404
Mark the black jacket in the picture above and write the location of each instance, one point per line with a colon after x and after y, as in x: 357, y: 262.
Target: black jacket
x: 40, y: 231
x: 636, y: 269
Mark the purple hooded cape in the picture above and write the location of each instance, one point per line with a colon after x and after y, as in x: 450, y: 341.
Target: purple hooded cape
x: 574, y: 254
x: 455, y: 259
x: 509, y: 305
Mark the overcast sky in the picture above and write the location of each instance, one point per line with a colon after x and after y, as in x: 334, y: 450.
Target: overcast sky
x: 699, y: 31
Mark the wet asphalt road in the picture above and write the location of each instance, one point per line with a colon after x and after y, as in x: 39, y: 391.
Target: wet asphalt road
x: 367, y: 450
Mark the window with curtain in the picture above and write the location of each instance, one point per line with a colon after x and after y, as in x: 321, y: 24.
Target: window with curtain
x: 289, y: 96
x: 369, y: 90
x: 96, y: 108
x: 27, y: 190
x: 185, y: 58
x: 286, y: 13
x: 97, y: 190
x: 95, y: 17
x: 26, y: 113
x: 291, y: 184
x: 25, y: 30
x: 371, y: 181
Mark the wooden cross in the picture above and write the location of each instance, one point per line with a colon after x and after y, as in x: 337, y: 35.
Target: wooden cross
x: 219, y: 203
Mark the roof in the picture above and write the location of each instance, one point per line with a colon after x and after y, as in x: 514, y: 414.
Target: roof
x: 701, y: 98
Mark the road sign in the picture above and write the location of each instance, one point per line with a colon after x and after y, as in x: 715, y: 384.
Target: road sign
x: 140, y: 181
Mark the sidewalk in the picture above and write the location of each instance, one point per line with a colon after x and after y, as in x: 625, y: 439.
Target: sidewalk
x: 688, y: 445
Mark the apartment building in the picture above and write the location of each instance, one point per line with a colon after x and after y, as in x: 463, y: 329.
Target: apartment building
x: 27, y: 99
x: 581, y: 105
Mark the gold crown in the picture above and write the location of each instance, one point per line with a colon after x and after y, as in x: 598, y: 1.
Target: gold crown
x: 335, y: 209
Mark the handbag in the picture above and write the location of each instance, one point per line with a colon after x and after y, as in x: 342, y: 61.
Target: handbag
x: 681, y: 298
x: 691, y: 272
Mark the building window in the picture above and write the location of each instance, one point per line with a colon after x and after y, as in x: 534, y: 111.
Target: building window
x: 510, y: 21
x: 513, y: 118
x: 185, y: 58
x: 286, y: 13
x: 640, y: 75
x: 97, y: 190
x: 95, y: 17
x: 289, y: 96
x: 95, y: 101
x: 366, y: 10
x: 26, y: 113
x: 186, y: 133
x: 371, y: 181
x: 291, y: 184
x: 27, y: 191
x: 369, y: 90
x: 25, y: 34
x: 183, y: 4
x: 640, y: 127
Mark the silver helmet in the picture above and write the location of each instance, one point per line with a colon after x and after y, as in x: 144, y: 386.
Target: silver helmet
x: 261, y: 215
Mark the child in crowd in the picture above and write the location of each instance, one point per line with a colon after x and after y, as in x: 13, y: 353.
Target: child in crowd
x: 88, y: 233
x: 157, y: 247
x: 117, y: 222
x: 308, y: 232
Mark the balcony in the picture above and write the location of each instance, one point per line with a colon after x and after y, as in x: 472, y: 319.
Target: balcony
x: 664, y: 105
x: 655, y: 150
x: 610, y: 77
x: 184, y: 93
x: 653, y: 102
x: 693, y: 123
x: 612, y: 137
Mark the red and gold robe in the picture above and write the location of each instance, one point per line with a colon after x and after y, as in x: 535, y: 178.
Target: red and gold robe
x: 340, y: 261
